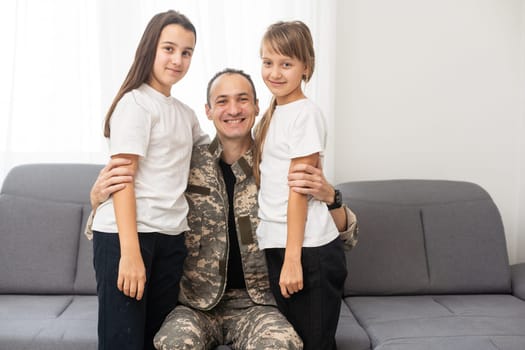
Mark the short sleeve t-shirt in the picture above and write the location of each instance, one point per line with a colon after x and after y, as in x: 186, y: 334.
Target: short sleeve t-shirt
x: 162, y: 131
x: 297, y: 129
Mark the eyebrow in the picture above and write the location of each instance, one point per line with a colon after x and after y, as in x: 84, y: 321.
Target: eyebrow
x: 174, y: 44
x: 242, y: 94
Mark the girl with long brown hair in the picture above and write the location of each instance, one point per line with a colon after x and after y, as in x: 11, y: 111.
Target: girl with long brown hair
x: 138, y: 236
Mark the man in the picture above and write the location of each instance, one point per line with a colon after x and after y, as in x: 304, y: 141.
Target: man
x: 225, y: 296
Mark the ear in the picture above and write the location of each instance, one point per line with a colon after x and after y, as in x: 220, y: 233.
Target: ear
x: 256, y: 107
x: 305, y: 73
x: 207, y: 109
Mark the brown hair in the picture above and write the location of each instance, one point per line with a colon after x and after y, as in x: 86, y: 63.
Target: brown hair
x: 142, y: 65
x: 292, y: 39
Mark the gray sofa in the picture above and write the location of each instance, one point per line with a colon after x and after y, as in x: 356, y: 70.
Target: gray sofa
x: 47, y: 283
x: 430, y: 270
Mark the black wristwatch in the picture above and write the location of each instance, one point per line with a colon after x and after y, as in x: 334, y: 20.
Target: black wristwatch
x: 338, y: 200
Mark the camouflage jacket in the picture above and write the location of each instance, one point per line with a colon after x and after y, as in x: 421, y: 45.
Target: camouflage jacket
x: 204, y: 277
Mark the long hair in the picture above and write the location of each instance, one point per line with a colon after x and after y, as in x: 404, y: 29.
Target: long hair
x: 142, y: 65
x: 292, y: 39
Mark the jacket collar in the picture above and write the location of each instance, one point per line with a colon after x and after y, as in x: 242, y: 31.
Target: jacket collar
x: 242, y: 168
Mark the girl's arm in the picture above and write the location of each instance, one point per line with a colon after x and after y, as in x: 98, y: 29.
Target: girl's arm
x: 307, y: 179
x: 291, y: 278
x: 131, y: 272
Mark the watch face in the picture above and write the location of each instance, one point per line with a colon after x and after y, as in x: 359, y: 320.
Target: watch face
x: 338, y: 198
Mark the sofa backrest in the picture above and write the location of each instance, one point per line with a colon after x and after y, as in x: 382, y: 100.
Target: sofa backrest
x: 43, y: 211
x: 425, y: 237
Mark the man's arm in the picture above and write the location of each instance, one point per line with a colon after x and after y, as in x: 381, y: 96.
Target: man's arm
x: 112, y: 178
x: 307, y: 179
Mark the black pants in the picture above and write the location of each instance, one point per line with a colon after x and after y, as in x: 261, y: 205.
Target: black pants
x: 124, y: 322
x: 314, y: 311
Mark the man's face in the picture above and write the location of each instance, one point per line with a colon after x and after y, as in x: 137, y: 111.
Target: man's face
x: 232, y: 107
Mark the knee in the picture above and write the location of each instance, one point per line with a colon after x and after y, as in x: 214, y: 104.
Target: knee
x: 175, y: 338
x: 168, y: 342
x: 277, y: 339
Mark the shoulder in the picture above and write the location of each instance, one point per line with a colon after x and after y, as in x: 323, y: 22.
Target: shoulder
x: 309, y: 108
x: 201, y: 157
x: 182, y: 106
x: 307, y: 112
x: 129, y: 109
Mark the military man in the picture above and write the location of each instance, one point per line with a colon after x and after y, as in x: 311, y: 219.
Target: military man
x: 225, y: 296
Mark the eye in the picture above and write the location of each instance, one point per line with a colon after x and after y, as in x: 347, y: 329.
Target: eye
x: 267, y: 63
x: 287, y: 65
x: 187, y: 53
x: 168, y: 48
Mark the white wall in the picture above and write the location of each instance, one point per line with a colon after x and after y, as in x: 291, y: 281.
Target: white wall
x: 434, y: 90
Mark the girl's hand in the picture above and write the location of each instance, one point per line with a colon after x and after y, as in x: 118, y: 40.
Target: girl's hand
x: 131, y: 276
x: 291, y: 279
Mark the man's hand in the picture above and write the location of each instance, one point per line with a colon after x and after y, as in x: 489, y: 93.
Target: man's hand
x: 306, y: 179
x: 112, y: 178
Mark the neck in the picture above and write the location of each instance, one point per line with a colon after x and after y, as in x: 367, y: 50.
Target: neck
x: 232, y: 150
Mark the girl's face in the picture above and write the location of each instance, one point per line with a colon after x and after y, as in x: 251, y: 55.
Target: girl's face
x: 173, y: 57
x: 282, y: 75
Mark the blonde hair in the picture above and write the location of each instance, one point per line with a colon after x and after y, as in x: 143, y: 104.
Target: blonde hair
x: 292, y: 39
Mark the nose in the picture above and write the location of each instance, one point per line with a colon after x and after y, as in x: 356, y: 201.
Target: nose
x: 234, y: 109
x: 275, y: 72
x: 176, y: 58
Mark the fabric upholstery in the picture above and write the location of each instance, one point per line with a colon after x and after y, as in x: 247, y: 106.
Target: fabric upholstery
x: 466, y: 248
x: 39, y: 245
x: 518, y: 280
x: 433, y: 320
x: 47, y: 261
x: 425, y: 237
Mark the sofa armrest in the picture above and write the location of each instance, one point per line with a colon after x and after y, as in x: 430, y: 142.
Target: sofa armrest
x: 518, y: 280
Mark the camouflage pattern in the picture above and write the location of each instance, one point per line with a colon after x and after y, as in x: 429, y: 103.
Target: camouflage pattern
x: 236, y: 321
x: 351, y: 234
x: 204, y: 277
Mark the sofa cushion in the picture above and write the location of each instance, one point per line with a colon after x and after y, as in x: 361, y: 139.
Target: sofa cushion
x: 430, y: 321
x: 425, y: 237
x: 38, y: 245
x: 48, y: 322
x: 57, y: 182
x: 349, y: 334
x: 466, y: 248
x: 75, y: 328
x: 390, y: 255
x: 453, y: 343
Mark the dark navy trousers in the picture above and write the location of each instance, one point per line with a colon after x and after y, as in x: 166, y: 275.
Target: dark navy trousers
x: 313, y: 311
x: 124, y: 322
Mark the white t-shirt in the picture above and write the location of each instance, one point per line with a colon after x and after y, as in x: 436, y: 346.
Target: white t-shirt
x: 297, y: 129
x: 161, y: 131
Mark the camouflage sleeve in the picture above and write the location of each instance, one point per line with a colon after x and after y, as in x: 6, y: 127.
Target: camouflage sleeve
x: 351, y: 234
x: 88, y: 231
